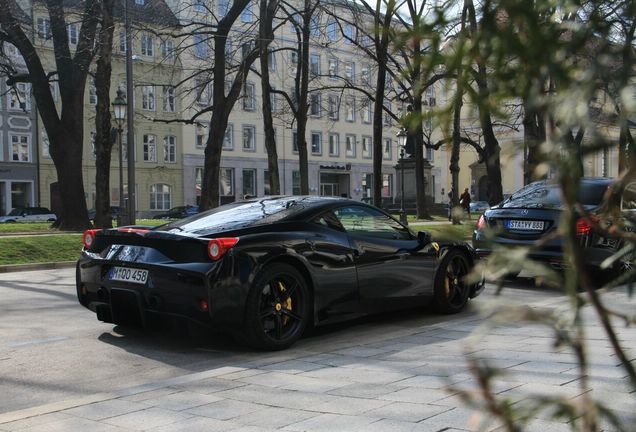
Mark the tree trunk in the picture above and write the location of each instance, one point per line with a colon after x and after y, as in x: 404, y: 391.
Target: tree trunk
x: 103, y: 135
x: 454, y: 161
x: 418, y: 148
x: 302, y: 109
x: 266, y: 33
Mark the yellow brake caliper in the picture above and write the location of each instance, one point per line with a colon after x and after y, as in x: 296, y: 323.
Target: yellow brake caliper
x: 287, y: 304
x: 447, y: 279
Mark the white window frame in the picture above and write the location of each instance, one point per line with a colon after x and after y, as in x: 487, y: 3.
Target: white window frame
x: 147, y: 45
x: 170, y: 149
x: 254, y: 190
x: 367, y: 147
x: 247, y: 15
x: 315, y: 104
x: 333, y: 68
x: 167, y: 49
x: 148, y: 98
x: 365, y: 111
x: 249, y: 96
x: 272, y: 60
x: 252, y: 142
x: 334, y: 102
x: 155, y: 194
x: 19, y: 94
x: 23, y: 142
x: 350, y: 109
x: 200, y: 46
x: 332, y: 30
x: 334, y: 138
x: 150, y: 148
x: 199, y: 6
x: 228, y: 137
x: 230, y: 176
x: 317, y: 134
x: 92, y: 92
x: 199, y: 135
x: 387, y: 149
x: 73, y: 33
x: 350, y: 138
x: 44, y: 28
x: 314, y: 65
x: 350, y: 71
x: 169, y: 99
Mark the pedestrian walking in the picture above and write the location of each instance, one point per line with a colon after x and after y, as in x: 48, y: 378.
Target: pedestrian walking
x: 464, y: 201
x: 450, y: 205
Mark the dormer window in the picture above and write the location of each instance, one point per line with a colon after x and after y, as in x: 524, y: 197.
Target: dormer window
x: 140, y: 2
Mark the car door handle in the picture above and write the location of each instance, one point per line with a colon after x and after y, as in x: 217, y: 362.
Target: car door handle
x: 403, y: 255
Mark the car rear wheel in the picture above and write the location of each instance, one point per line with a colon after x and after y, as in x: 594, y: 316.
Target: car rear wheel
x: 451, y: 291
x: 277, y: 308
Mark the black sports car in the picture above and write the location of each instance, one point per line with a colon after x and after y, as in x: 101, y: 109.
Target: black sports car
x: 267, y: 268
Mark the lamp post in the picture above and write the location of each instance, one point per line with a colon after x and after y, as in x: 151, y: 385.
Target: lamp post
x: 119, y: 109
x: 401, y: 137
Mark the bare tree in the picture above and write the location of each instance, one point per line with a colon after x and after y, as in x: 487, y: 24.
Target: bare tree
x: 64, y: 128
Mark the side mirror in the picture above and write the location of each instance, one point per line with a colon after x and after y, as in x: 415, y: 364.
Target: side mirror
x: 423, y: 237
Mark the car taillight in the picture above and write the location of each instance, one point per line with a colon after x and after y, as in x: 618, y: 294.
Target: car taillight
x: 133, y: 230
x: 584, y: 226
x: 481, y: 223
x: 89, y: 237
x: 218, y: 246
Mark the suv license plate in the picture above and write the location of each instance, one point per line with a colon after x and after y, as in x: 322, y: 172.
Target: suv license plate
x: 126, y: 274
x: 525, y: 225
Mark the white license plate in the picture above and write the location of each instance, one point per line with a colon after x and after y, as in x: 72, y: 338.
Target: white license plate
x: 126, y: 274
x: 525, y: 225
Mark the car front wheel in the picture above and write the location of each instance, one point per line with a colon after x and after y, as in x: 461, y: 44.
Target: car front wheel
x: 277, y: 308
x: 451, y: 290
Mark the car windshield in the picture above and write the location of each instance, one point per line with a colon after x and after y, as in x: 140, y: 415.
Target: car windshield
x: 545, y: 194
x: 16, y: 212
x: 240, y: 214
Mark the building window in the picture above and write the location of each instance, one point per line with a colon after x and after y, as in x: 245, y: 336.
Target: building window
x: 273, y: 100
x: 350, y: 146
x: 388, y: 121
x: 140, y: 2
x: 430, y: 154
x: 160, y: 197
x: 148, y: 97
x: 92, y: 92
x: 387, y: 185
x: 228, y: 138
x: 200, y: 46
x: 314, y: 104
x: 295, y: 141
x: 314, y: 25
x: 271, y: 60
x: 314, y: 65
x: 93, y: 137
x: 387, y: 152
x: 293, y: 62
x: 350, y: 71
x: 247, y: 16
x: 332, y: 30
x: 169, y: 99
x: 334, y: 144
x: 316, y: 143
x: 167, y: 49
x: 170, y: 149
x: 366, y: 147
x: 203, y: 93
x: 122, y: 42
x: 199, y: 6
x: 295, y: 182
x: 249, y: 182
x: 249, y: 138
x: 20, y: 97
x: 334, y: 107
x: 150, y: 148
x: 44, y: 28
x: 72, y: 33
x: 349, y: 33
x: 365, y: 74
x: 249, y: 97
x: 350, y: 109
x: 20, y: 147
x: 365, y: 111
x: 46, y: 145
x: 226, y: 182
x: 200, y: 135
x: 224, y: 8
x: 333, y: 68
x: 147, y: 45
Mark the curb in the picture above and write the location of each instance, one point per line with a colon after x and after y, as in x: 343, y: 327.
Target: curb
x: 36, y: 266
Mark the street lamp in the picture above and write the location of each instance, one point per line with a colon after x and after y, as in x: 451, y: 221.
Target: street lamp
x: 119, y: 109
x: 401, y: 137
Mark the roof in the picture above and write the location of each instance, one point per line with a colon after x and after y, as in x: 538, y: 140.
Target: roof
x: 155, y: 12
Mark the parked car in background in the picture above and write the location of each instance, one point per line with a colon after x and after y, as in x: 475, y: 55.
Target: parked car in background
x: 267, y: 268
x: 178, y: 212
x: 29, y: 214
x: 479, y: 206
x: 533, y: 213
x: 114, y: 212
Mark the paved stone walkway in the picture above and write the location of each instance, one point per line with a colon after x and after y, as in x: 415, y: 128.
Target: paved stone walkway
x: 391, y: 378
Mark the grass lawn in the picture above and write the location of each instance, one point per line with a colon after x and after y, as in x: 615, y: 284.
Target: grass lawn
x: 40, y: 249
x: 455, y: 232
x: 45, y: 227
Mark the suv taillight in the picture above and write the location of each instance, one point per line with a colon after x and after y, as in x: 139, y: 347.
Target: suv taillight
x: 218, y: 246
x: 585, y: 225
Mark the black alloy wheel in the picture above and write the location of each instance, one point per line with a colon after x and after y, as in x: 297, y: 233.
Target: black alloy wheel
x: 277, y: 308
x: 451, y: 289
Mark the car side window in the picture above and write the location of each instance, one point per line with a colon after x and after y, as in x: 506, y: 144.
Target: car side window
x: 328, y: 219
x: 628, y: 201
x: 369, y: 222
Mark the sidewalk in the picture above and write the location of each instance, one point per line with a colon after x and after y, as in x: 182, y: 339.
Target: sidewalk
x: 386, y: 378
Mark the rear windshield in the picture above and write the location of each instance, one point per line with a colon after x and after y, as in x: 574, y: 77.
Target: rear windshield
x: 548, y: 195
x: 240, y: 215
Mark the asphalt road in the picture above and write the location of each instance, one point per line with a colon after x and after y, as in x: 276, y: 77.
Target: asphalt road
x: 53, y: 349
